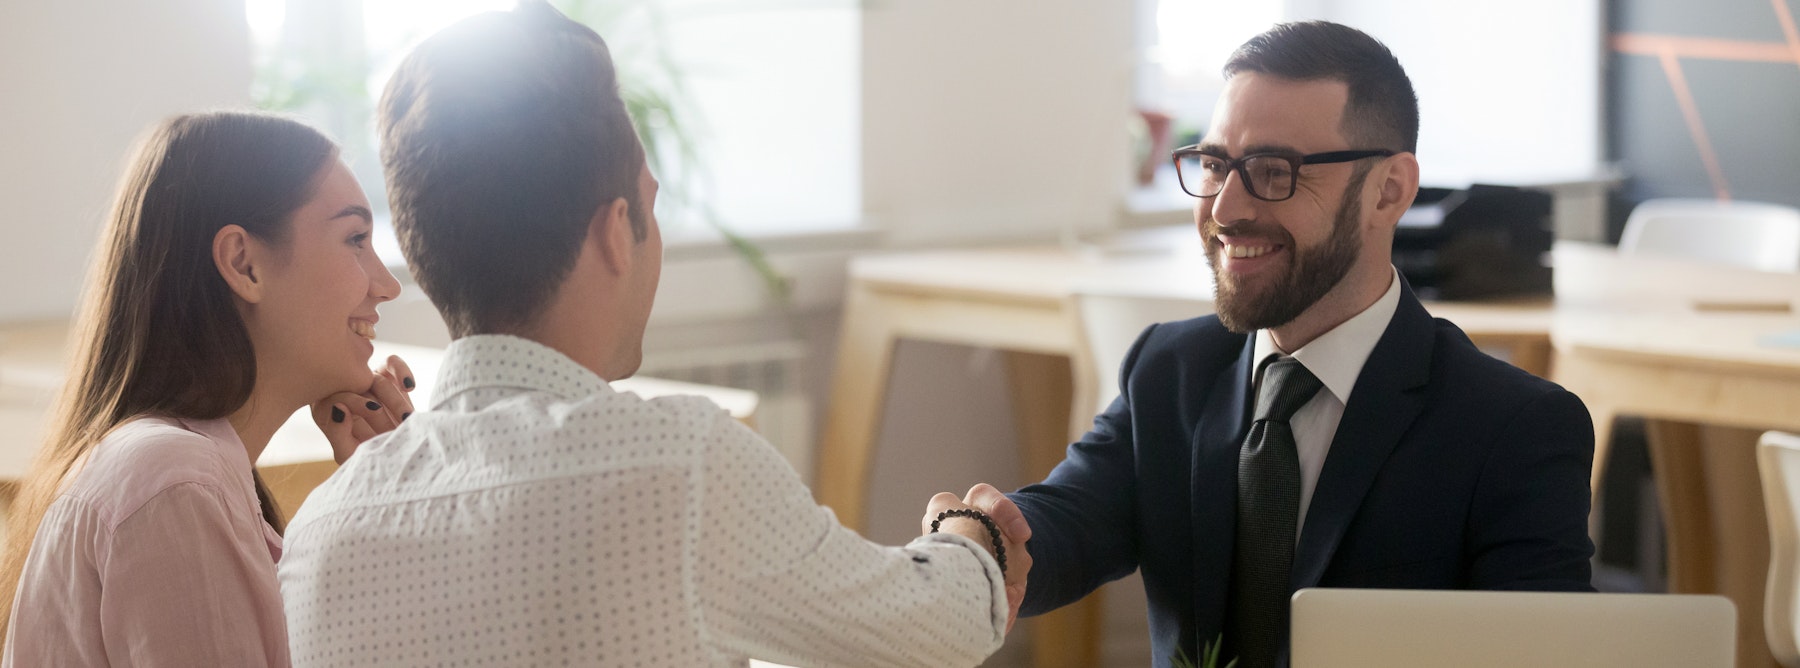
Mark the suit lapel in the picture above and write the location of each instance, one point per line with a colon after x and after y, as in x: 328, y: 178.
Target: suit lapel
x: 1388, y: 395
x: 1217, y: 438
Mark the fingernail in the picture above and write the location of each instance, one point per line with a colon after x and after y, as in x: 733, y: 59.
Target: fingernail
x: 337, y: 414
x: 403, y: 416
x: 373, y: 406
x: 407, y: 381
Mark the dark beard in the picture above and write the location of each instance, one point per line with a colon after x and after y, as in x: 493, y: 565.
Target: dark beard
x: 1312, y: 273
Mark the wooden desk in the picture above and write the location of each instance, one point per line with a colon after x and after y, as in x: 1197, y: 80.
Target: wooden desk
x: 1019, y: 301
x: 32, y: 363
x: 1630, y: 340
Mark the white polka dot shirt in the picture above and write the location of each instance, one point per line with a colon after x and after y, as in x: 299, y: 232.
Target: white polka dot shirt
x: 536, y: 517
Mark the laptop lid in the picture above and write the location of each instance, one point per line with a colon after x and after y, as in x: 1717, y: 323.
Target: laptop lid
x: 1401, y: 628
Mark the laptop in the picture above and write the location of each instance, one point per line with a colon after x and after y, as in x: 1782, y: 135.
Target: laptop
x: 1403, y: 628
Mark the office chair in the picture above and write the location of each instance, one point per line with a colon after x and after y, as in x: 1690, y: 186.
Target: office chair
x: 1111, y: 321
x: 1778, y: 459
x: 1752, y: 235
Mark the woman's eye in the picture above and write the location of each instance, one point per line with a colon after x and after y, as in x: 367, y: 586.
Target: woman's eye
x: 359, y: 240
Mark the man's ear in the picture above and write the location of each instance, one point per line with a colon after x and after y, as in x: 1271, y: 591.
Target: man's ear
x: 611, y: 229
x: 1399, y: 184
x: 233, y: 256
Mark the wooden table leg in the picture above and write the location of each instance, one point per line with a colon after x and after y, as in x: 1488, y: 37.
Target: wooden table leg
x: 1603, y: 440
x: 1741, y: 531
x: 1042, y: 405
x: 1717, y: 527
x: 1679, y: 467
x: 859, y: 383
x: 1603, y: 417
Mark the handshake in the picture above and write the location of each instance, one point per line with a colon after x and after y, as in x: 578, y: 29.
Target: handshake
x: 1014, y: 532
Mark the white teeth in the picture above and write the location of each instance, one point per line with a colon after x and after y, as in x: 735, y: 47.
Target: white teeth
x: 363, y: 328
x: 1247, y: 251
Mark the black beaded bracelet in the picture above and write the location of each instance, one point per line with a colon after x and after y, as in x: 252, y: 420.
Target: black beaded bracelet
x: 993, y: 531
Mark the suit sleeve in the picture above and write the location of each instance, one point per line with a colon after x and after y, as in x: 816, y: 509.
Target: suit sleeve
x: 1083, y: 516
x: 1529, y: 530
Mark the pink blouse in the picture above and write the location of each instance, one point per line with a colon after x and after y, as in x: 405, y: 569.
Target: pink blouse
x: 156, y: 555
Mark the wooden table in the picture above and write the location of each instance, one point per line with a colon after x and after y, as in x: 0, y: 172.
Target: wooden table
x: 1691, y: 349
x: 297, y: 459
x: 1019, y: 301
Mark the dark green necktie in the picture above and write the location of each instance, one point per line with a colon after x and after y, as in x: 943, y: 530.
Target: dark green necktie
x: 1268, y: 505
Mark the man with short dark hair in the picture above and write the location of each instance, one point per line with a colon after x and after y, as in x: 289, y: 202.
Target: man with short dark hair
x: 534, y: 516
x: 1322, y: 430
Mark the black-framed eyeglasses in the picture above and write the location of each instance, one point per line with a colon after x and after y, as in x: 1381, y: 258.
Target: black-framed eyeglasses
x: 1268, y: 176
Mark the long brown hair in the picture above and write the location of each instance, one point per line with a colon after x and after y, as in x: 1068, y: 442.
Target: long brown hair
x: 158, y: 332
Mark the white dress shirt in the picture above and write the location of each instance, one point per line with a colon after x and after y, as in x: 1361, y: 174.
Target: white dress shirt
x: 534, y: 516
x: 1336, y: 358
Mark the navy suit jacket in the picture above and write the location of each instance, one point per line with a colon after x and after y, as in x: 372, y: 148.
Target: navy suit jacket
x: 1449, y: 470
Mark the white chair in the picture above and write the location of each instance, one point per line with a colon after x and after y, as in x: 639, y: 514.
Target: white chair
x: 1778, y: 458
x: 1752, y: 235
x: 1400, y: 628
x: 1112, y: 319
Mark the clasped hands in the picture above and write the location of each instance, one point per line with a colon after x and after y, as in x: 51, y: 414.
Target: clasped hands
x: 1014, y: 532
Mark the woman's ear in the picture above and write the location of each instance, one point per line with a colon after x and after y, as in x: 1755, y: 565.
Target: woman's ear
x: 232, y: 254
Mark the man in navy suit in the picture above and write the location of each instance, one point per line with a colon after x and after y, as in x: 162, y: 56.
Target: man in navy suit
x: 1405, y: 458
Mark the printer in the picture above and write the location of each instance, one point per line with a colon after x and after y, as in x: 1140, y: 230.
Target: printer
x: 1481, y: 242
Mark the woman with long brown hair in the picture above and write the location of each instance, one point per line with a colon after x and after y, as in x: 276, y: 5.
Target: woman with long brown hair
x: 233, y: 285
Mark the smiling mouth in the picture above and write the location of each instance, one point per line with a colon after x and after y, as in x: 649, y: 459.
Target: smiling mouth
x: 363, y: 328
x: 1246, y: 251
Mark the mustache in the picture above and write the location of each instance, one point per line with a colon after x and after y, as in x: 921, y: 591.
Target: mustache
x: 1249, y: 229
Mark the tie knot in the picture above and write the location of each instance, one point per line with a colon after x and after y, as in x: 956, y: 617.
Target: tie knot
x: 1286, y: 386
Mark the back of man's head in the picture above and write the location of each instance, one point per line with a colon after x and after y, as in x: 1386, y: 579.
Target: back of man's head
x: 501, y: 137
x: 1383, y: 111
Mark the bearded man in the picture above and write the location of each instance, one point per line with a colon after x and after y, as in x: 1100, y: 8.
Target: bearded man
x: 1322, y: 430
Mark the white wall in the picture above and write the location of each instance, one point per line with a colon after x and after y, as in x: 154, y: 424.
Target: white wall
x: 1509, y: 92
x: 995, y: 118
x: 79, y: 82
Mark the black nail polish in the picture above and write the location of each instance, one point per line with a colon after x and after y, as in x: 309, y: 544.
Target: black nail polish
x: 403, y: 416
x: 373, y: 406
x: 408, y: 382
x: 337, y: 414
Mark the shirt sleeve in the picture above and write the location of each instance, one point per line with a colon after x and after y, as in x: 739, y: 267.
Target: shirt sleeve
x: 182, y: 584
x: 780, y: 580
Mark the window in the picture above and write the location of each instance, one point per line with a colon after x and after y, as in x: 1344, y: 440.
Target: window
x: 1183, y: 45
x: 766, y: 92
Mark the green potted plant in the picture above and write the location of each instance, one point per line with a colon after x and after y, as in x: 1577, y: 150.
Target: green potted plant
x: 654, y: 87
x: 1209, y: 656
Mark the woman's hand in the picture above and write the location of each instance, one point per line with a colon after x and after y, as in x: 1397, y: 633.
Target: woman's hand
x: 349, y: 418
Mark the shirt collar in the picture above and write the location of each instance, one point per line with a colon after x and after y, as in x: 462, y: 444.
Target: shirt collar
x: 222, y: 435
x: 1336, y: 358
x: 498, y: 360
x: 225, y: 439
